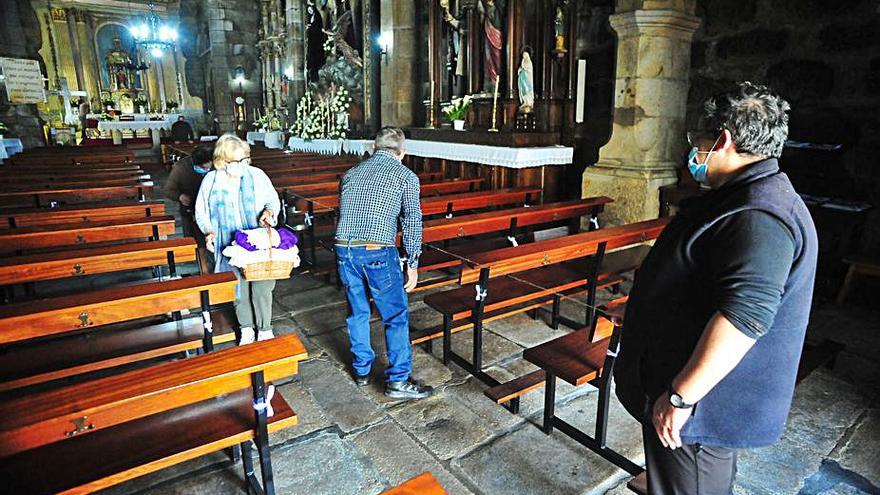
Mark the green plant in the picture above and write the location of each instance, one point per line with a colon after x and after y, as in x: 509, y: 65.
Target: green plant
x: 170, y: 104
x: 458, y: 108
x: 108, y: 103
x: 3, y: 128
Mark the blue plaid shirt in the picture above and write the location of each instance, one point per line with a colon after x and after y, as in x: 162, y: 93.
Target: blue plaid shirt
x: 373, y: 196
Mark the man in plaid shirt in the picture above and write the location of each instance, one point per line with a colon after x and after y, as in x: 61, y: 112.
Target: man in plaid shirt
x: 374, y: 196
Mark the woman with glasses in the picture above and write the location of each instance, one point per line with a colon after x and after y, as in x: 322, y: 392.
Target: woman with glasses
x: 236, y: 196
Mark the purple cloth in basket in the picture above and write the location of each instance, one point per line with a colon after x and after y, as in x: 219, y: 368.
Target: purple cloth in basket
x: 288, y: 240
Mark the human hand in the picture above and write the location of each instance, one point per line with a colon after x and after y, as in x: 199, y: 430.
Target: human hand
x: 412, y: 278
x: 668, y: 421
x: 267, y: 218
x: 209, y: 242
x: 185, y: 199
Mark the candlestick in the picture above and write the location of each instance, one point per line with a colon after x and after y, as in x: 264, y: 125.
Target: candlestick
x: 495, y: 105
x: 431, y: 107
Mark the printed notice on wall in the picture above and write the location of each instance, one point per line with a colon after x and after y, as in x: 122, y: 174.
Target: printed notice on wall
x: 23, y: 80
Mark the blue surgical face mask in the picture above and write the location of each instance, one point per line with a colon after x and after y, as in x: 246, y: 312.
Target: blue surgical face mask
x: 200, y: 170
x: 700, y: 171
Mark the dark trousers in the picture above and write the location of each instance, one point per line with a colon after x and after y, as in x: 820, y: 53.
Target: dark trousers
x: 689, y: 470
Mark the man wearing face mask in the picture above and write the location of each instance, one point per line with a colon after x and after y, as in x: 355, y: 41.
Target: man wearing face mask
x: 183, y: 186
x: 716, y: 318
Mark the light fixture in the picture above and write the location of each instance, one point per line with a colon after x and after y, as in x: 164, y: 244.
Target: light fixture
x: 239, y: 74
x: 154, y: 36
x: 288, y: 72
x: 385, y: 40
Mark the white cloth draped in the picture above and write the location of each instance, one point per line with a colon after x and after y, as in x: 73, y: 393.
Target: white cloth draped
x: 501, y: 156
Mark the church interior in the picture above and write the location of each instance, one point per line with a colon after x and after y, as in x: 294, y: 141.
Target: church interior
x: 555, y: 148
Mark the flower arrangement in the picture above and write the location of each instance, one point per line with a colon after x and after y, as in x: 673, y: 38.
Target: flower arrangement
x: 110, y: 115
x: 261, y: 123
x: 323, y: 116
x: 171, y: 104
x: 458, y: 108
x: 108, y: 103
x: 141, y: 102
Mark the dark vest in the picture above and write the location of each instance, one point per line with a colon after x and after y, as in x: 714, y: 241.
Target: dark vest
x: 671, y: 303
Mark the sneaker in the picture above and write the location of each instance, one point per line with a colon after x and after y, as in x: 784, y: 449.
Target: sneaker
x: 247, y: 336
x: 409, y: 389
x: 265, y: 335
x: 362, y: 380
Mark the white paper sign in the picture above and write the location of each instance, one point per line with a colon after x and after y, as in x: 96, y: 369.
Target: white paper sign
x: 23, y: 80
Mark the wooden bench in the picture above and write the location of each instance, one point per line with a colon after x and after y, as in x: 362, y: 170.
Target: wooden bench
x: 82, y: 212
x: 428, y: 188
x: 509, y: 221
x: 63, y: 336
x: 95, y: 168
x: 30, y: 184
x: 62, y: 175
x: 538, y: 273
x: 580, y: 357
x: 48, y: 196
x: 100, y: 433
x: 92, y: 261
x: 80, y: 233
x: 858, y: 266
x: 423, y: 484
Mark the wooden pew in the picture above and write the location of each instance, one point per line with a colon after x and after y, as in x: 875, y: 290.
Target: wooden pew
x: 100, y: 433
x: 423, y: 484
x: 509, y: 221
x: 580, y: 357
x: 46, y: 196
x: 96, y: 168
x: 538, y: 274
x: 92, y: 261
x: 63, y: 336
x: 63, y: 176
x: 428, y: 188
x: 74, y: 234
x: 82, y: 212
x: 31, y: 183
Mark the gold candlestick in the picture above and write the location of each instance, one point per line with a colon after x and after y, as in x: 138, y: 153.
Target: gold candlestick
x: 431, y: 108
x: 495, y: 106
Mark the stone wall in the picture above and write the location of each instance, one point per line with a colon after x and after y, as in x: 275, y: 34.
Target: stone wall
x: 20, y: 38
x: 824, y: 57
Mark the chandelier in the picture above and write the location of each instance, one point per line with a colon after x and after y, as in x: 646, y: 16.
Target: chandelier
x: 153, y: 35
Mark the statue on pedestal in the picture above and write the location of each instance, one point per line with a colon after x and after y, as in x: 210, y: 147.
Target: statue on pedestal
x: 526, y: 84
x: 118, y: 62
x: 492, y: 16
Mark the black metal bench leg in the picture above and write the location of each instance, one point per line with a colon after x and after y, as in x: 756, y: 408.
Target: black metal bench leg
x: 262, y: 433
x: 554, y: 320
x: 447, y: 338
x: 247, y: 461
x: 549, y: 403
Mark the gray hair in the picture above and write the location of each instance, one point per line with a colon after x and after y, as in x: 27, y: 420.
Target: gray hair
x: 390, y: 139
x: 756, y: 117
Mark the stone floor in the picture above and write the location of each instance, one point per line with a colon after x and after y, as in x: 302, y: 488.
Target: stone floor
x: 356, y: 441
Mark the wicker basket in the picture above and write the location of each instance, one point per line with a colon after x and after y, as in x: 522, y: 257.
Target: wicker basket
x: 268, y: 270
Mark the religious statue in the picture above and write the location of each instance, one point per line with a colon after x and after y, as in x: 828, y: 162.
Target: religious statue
x: 315, y: 38
x: 559, y: 29
x: 526, y: 83
x: 492, y: 17
x: 337, y: 36
x: 118, y: 61
x: 456, y: 59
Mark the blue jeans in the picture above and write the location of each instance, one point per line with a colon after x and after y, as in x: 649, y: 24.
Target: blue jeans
x: 376, y: 272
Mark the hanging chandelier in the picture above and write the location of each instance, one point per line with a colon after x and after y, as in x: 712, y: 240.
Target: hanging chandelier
x: 153, y: 35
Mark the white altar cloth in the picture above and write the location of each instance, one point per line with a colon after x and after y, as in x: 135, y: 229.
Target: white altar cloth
x: 272, y: 139
x: 501, y: 156
x: 133, y: 125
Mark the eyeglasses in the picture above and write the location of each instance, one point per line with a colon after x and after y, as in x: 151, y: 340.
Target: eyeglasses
x: 243, y: 161
x: 696, y: 137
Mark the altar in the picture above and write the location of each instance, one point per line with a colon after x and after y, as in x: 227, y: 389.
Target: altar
x: 117, y: 126
x: 272, y: 139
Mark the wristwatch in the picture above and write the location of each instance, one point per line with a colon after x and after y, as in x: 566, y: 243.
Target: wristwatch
x: 677, y: 402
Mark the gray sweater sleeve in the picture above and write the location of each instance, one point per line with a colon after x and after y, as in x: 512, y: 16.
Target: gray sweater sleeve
x: 751, y: 256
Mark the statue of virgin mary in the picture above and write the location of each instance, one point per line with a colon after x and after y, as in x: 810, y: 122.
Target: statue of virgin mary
x: 526, y: 83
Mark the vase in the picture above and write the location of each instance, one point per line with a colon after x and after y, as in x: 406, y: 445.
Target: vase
x: 458, y: 125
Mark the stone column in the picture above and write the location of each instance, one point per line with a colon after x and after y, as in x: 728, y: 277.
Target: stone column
x: 75, y: 49
x: 90, y: 31
x: 648, y: 135
x: 160, y: 78
x: 295, y: 53
x: 277, y: 73
x: 398, y: 87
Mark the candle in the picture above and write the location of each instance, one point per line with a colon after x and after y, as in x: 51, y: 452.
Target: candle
x: 495, y: 104
x: 431, y: 116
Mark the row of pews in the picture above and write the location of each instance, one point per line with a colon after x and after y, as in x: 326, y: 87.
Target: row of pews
x: 92, y: 366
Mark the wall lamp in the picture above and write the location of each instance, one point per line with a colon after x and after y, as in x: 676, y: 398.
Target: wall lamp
x: 385, y: 41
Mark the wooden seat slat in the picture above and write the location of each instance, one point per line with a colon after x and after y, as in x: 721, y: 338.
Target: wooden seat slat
x: 571, y: 357
x: 433, y: 205
x: 54, y: 315
x: 516, y: 259
x: 30, y: 183
x: 55, y: 235
x: 517, y: 387
x: 423, y: 484
x: 74, y: 194
x: 459, y: 302
x: 56, y: 265
x: 78, y: 353
x: 83, y: 212
x: 67, y: 175
x: 43, y: 418
x: 105, y: 458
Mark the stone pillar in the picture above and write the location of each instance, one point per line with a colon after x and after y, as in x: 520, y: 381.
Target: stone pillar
x: 75, y: 49
x: 278, y: 73
x: 398, y: 86
x: 160, y: 78
x: 295, y: 53
x: 90, y: 31
x: 651, y: 88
